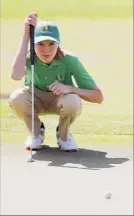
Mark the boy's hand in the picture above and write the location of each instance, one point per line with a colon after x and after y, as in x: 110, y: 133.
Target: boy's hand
x: 31, y: 19
x: 58, y: 88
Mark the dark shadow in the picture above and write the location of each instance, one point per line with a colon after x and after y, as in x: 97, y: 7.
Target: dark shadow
x: 83, y: 159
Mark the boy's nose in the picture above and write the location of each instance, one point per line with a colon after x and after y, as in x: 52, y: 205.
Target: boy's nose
x: 46, y: 48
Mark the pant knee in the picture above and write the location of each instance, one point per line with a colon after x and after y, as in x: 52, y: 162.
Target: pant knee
x: 20, y: 101
x: 71, y: 104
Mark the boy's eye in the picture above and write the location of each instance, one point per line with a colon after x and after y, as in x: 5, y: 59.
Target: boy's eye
x: 40, y: 44
x: 52, y: 43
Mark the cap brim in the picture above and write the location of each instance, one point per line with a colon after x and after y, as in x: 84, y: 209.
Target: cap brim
x: 43, y: 38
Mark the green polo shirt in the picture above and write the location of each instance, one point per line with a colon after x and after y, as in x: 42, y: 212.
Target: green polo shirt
x: 62, y: 70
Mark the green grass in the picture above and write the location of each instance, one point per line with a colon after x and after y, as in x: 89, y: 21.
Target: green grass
x: 106, y: 52
x: 95, y: 125
x: 92, y: 9
x: 100, y: 33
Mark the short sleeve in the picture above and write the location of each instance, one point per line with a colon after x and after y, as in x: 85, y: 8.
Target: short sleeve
x: 83, y: 79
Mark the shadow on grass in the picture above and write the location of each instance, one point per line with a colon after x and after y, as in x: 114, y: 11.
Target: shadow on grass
x: 83, y: 159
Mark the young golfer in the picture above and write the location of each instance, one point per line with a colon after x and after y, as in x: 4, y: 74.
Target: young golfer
x: 54, y: 89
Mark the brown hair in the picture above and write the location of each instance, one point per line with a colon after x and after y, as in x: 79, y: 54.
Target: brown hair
x: 60, y: 53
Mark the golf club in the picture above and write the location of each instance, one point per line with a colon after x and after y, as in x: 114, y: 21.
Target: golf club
x: 30, y: 159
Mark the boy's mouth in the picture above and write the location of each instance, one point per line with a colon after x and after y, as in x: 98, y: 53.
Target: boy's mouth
x: 46, y: 55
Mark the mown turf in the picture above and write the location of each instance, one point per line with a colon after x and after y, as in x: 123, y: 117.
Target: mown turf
x: 95, y: 125
x: 100, y: 32
x: 92, y: 9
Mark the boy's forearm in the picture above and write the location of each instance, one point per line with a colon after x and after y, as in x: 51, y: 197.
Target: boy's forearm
x: 18, y: 66
x: 94, y: 96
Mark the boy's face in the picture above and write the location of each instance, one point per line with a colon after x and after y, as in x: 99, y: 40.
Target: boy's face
x: 46, y: 50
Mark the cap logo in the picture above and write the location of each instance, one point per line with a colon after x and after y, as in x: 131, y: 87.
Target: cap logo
x: 45, y: 28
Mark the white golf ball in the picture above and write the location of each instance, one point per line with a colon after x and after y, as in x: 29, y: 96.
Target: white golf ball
x: 108, y: 195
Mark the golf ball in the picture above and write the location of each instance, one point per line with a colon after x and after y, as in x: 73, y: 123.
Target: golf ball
x: 108, y: 195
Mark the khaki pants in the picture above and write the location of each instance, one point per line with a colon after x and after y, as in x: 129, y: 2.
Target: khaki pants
x: 68, y: 107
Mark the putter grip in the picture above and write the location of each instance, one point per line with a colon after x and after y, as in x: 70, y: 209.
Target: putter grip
x: 32, y: 44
